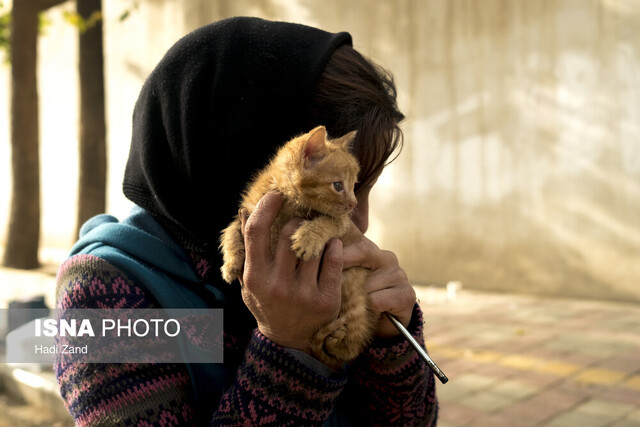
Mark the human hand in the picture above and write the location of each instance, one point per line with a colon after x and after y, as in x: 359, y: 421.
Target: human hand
x: 387, y: 283
x: 290, y: 298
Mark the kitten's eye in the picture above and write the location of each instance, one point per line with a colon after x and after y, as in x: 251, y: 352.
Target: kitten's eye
x: 338, y: 186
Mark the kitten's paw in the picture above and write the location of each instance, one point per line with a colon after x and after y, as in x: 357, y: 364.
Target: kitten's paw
x: 230, y: 274
x: 232, y: 246
x: 232, y: 267
x: 306, y: 245
x: 332, y: 346
x: 339, y: 347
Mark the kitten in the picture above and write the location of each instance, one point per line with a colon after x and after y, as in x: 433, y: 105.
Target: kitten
x: 316, y: 175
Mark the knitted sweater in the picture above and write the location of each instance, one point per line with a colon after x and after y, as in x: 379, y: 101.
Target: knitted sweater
x: 387, y: 385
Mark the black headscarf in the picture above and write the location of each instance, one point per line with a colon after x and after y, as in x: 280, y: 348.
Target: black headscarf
x: 213, y: 112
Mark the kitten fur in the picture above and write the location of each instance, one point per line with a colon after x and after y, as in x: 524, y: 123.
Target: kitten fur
x: 305, y: 170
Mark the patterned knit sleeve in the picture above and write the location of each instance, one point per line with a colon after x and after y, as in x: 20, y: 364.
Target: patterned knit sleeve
x: 273, y: 387
x: 116, y: 394
x: 391, y: 386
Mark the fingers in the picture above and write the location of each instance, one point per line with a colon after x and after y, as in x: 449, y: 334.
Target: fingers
x: 330, y: 275
x: 387, y: 284
x: 308, y: 270
x: 364, y: 253
x: 398, y: 301
x: 257, y: 230
x: 392, y: 299
x: 285, y: 258
x: 387, y: 275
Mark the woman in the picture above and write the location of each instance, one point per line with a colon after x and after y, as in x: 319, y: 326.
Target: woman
x: 209, y: 116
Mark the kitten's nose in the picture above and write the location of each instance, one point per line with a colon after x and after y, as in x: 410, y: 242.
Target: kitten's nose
x: 352, y: 204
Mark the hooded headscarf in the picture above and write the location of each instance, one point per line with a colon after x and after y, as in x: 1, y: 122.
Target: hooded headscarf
x: 213, y: 112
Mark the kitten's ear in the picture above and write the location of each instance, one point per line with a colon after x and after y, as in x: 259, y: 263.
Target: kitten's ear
x: 347, y: 140
x: 315, y: 147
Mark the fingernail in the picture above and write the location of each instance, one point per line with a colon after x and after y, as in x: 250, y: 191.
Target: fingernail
x: 273, y: 193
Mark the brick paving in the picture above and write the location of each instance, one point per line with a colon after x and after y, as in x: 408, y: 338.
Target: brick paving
x: 515, y: 360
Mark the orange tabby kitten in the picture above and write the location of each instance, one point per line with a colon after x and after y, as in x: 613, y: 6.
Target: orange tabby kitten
x: 316, y: 175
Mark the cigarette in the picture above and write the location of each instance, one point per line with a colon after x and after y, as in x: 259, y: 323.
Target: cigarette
x: 421, y: 352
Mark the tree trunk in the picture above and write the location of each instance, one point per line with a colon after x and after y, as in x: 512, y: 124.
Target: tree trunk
x: 21, y: 249
x: 93, y: 151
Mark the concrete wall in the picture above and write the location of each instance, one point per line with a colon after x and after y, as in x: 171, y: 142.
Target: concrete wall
x: 521, y: 166
x: 524, y: 149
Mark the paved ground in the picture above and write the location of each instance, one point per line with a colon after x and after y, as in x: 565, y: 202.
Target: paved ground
x: 527, y: 361
x: 17, y: 413
x: 512, y: 360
